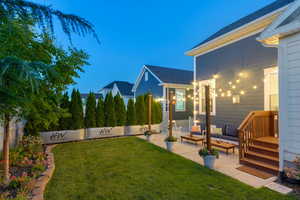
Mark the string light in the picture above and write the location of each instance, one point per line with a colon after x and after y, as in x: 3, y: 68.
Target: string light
x: 233, y: 87
x: 254, y: 87
x: 230, y: 83
x: 223, y: 94
x: 220, y: 90
x: 241, y: 74
x: 216, y: 76
x: 242, y: 92
x: 238, y: 81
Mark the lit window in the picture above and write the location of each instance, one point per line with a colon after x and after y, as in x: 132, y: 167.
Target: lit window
x: 212, y: 84
x: 180, y: 99
x: 146, y: 76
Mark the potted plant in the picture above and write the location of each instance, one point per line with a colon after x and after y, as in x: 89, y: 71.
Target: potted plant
x: 209, y: 157
x: 148, y: 135
x: 169, y: 142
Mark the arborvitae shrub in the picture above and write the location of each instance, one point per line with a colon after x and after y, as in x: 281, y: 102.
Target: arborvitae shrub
x: 120, y: 110
x: 90, y: 111
x: 131, y: 115
x: 140, y: 110
x: 100, y: 113
x: 65, y: 122
x: 109, y: 111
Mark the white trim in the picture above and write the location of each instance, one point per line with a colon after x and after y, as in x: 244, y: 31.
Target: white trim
x: 237, y: 29
x: 267, y: 73
x: 231, y: 42
x: 174, y: 85
x: 137, y: 82
x: 184, y: 91
x: 273, y: 31
x: 212, y: 83
x: 194, y: 103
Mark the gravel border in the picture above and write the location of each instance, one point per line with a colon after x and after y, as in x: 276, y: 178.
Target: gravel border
x: 41, y: 182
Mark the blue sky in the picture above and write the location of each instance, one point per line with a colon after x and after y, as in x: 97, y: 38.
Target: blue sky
x: 137, y: 32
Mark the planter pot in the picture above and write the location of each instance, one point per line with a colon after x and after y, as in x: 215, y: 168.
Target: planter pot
x: 170, y: 146
x: 148, y: 137
x: 209, y: 161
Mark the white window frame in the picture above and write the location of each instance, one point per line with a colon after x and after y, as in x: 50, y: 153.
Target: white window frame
x: 184, y: 102
x: 212, y: 84
x: 267, y: 73
x: 146, y: 76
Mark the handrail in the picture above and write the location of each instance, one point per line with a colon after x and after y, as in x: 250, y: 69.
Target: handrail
x: 256, y: 124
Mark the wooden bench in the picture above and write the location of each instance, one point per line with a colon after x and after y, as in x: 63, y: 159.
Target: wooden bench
x: 192, y: 138
x: 223, y: 145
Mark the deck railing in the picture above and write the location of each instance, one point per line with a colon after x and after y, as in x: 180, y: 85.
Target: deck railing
x: 257, y: 124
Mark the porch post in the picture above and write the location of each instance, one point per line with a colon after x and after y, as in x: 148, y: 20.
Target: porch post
x: 171, y: 100
x: 207, y: 109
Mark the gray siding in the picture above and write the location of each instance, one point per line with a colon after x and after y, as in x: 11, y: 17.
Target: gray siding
x: 184, y: 115
x: 152, y: 86
x: 247, y: 55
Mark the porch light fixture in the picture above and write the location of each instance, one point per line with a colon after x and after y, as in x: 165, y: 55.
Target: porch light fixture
x: 216, y: 76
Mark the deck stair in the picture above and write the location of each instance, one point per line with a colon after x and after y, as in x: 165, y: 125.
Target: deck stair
x: 263, y: 155
x: 259, y: 146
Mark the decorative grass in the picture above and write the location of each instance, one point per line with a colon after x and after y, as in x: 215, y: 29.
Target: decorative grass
x: 132, y: 169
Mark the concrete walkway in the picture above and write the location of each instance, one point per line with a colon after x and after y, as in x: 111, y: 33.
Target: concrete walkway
x: 226, y: 164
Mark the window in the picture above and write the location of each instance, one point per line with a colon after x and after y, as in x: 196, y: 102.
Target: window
x: 180, y: 99
x: 271, y: 89
x: 212, y: 84
x: 146, y: 76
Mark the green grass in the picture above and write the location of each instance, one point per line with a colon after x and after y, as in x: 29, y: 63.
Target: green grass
x: 132, y: 169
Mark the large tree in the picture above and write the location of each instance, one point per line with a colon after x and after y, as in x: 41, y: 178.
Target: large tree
x: 44, y: 15
x: 90, y: 111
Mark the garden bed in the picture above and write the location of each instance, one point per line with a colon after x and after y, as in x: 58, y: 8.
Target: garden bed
x: 28, y: 161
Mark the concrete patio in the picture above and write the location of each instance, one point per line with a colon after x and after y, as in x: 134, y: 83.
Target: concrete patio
x: 226, y: 164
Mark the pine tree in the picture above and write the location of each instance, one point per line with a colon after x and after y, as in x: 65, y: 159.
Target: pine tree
x: 109, y: 111
x: 80, y: 105
x: 120, y: 110
x: 64, y: 122
x: 131, y: 115
x: 100, y: 113
x: 154, y: 112
x: 90, y: 111
x: 159, y: 112
x: 140, y: 110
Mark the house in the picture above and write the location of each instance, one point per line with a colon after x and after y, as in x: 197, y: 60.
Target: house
x: 119, y: 87
x: 84, y: 97
x: 160, y: 81
x: 254, y: 84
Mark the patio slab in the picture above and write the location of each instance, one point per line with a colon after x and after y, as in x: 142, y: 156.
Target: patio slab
x: 226, y: 164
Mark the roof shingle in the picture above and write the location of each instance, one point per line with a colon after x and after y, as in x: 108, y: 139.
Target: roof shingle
x: 124, y: 87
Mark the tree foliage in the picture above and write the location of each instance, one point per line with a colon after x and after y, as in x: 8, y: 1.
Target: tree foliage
x: 100, y: 113
x: 76, y: 110
x: 120, y: 110
x: 90, y: 111
x: 131, y: 113
x: 109, y: 111
x: 140, y: 110
x: 44, y: 16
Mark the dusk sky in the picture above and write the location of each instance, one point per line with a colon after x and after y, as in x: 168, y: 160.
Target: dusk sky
x: 137, y: 32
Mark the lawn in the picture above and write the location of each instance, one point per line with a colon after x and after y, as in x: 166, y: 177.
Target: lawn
x: 132, y: 169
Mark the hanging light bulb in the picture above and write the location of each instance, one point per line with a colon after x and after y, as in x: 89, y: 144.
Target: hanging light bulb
x: 230, y: 83
x: 216, y: 76
x: 238, y: 81
x: 223, y: 94
x: 233, y: 87
x: 242, y: 92
x: 254, y: 87
x: 220, y: 90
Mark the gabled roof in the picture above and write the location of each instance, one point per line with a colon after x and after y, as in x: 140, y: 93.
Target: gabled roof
x: 286, y: 24
x: 125, y: 88
x: 249, y: 18
x: 172, y: 75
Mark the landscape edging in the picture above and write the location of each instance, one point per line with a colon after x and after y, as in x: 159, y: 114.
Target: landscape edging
x: 41, y: 182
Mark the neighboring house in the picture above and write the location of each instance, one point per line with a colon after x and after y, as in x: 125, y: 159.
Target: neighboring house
x: 119, y: 87
x: 84, y: 97
x: 241, y: 64
x: 160, y: 81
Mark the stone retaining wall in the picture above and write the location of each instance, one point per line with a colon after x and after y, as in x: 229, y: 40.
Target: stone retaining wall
x: 54, y: 137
